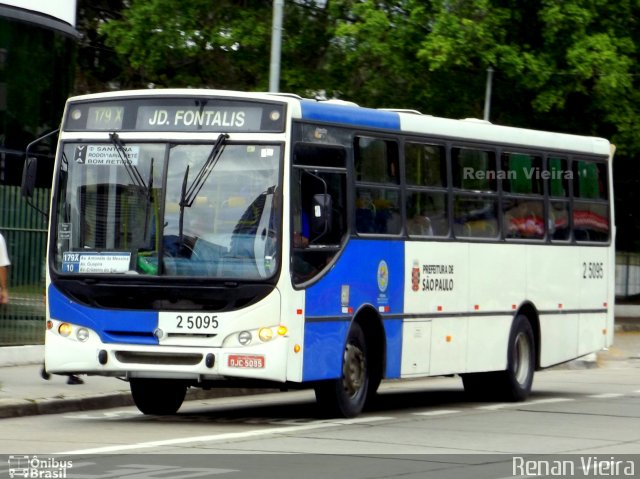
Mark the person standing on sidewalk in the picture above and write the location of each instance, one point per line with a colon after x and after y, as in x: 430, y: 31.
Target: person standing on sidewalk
x: 4, y: 271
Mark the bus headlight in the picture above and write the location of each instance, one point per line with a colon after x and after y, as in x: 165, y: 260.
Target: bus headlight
x: 64, y: 329
x: 82, y: 334
x: 265, y: 334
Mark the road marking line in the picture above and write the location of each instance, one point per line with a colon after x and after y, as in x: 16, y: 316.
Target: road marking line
x: 228, y: 436
x: 606, y: 396
x: 436, y: 413
x: 494, y: 407
x: 104, y: 415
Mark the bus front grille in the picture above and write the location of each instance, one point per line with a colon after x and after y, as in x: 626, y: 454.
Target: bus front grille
x: 175, y: 359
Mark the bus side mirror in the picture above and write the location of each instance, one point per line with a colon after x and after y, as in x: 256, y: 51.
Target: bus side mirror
x: 29, y: 172
x: 321, y: 214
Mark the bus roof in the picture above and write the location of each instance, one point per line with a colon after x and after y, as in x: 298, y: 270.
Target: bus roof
x: 469, y: 129
x: 407, y: 121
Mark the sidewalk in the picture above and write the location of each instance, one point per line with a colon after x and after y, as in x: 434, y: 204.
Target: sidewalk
x: 23, y: 392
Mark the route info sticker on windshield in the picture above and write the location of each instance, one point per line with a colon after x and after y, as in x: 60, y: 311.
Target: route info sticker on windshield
x: 93, y: 262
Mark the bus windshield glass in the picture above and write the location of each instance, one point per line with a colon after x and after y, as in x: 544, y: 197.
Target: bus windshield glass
x: 162, y: 209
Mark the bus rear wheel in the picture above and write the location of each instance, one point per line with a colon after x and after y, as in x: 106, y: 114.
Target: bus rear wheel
x: 514, y: 383
x: 346, y: 396
x: 160, y: 397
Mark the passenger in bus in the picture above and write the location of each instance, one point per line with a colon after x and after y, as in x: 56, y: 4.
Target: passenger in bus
x: 420, y: 225
x: 365, y: 214
x: 302, y: 265
x: 301, y: 229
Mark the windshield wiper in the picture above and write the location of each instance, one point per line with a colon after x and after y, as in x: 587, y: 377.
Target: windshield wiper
x: 132, y: 170
x: 183, y: 193
x: 189, y: 196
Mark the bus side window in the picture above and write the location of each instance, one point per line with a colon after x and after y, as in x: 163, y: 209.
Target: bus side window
x: 558, y: 187
x: 590, y: 212
x: 476, y: 202
x: 427, y: 205
x: 377, y: 205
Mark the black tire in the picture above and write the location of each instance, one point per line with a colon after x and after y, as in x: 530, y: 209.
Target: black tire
x: 44, y: 374
x: 346, y: 396
x: 160, y: 397
x: 514, y: 383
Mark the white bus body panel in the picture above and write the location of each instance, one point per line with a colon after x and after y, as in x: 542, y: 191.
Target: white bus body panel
x: 459, y: 318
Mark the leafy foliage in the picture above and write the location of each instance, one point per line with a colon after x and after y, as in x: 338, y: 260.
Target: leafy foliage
x: 564, y: 66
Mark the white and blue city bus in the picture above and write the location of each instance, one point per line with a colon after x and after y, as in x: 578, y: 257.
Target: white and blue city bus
x: 201, y: 238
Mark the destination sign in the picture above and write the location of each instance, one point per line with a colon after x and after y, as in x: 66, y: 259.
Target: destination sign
x: 184, y: 114
x: 216, y: 118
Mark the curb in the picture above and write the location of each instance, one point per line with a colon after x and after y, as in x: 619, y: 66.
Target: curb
x: 626, y: 325
x: 23, y: 407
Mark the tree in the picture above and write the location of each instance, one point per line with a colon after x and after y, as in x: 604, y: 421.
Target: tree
x: 98, y: 67
x: 222, y: 44
x: 570, y: 64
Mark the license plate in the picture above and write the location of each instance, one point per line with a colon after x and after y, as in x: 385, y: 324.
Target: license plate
x: 245, y: 361
x: 201, y: 323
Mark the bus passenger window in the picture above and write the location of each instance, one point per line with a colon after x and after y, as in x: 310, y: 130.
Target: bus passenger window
x: 474, y: 169
x: 376, y: 161
x: 427, y: 214
x: 523, y: 218
x: 475, y: 217
x: 591, y: 221
x: 559, y: 176
x: 558, y: 186
x: 378, y: 211
x: 590, y: 209
x: 377, y: 190
x: 559, y: 221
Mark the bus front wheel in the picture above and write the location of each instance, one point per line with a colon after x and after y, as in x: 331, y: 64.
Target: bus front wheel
x: 160, y: 397
x: 346, y: 396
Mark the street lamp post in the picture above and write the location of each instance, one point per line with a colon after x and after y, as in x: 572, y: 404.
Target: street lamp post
x: 487, y: 94
x: 276, y: 46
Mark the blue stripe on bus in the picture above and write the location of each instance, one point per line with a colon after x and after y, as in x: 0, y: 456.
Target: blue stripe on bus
x: 113, y: 326
x: 370, y: 284
x: 364, y: 117
x: 393, y: 330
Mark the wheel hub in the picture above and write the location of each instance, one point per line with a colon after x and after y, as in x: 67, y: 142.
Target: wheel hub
x: 354, y: 369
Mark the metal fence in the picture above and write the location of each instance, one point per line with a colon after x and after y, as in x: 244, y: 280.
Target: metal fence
x: 25, y: 231
x: 628, y: 276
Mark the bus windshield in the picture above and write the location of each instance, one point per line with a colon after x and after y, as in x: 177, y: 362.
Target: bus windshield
x: 163, y: 209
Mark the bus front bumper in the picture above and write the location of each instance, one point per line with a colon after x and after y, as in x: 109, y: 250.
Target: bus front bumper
x: 263, y: 361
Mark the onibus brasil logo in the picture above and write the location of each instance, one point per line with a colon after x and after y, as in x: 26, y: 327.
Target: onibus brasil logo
x: 33, y: 467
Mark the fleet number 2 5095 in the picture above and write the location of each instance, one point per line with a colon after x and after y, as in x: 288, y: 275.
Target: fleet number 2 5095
x: 592, y: 270
x: 196, y: 322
